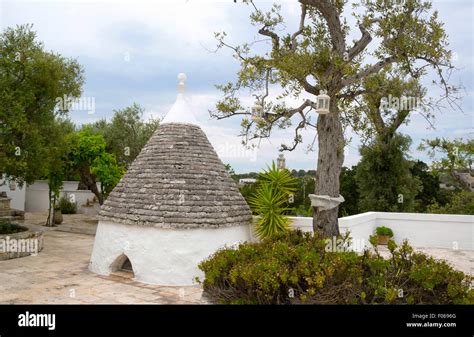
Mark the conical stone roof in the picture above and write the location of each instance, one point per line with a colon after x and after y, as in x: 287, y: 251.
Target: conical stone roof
x: 177, y: 181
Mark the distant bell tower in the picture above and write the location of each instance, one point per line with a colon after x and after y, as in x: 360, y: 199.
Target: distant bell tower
x: 281, y: 162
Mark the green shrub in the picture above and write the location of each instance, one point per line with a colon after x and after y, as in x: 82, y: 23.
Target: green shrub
x: 302, y: 210
x: 10, y: 228
x: 384, y: 231
x: 66, y: 206
x: 270, y: 201
x: 462, y: 202
x: 296, y: 268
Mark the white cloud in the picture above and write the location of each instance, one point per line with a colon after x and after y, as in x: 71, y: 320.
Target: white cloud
x: 162, y: 38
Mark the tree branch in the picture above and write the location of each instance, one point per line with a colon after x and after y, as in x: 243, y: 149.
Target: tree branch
x: 368, y: 71
x: 331, y: 16
x: 297, y: 140
x: 301, y: 27
x: 363, y: 42
x: 312, y: 89
x: 275, y: 38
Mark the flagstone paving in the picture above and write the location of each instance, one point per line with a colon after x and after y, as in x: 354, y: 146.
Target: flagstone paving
x: 462, y: 260
x: 59, y: 275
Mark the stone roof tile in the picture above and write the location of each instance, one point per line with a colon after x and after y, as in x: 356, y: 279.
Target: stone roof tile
x: 177, y: 181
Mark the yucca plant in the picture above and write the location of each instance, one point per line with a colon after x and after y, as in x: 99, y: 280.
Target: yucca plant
x: 269, y: 204
x: 270, y: 201
x: 279, y: 179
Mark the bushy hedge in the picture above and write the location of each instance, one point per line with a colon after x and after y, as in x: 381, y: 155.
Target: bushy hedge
x: 66, y: 206
x: 297, y: 268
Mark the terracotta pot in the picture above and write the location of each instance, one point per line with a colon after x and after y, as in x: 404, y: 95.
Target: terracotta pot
x: 383, y: 239
x: 58, y: 217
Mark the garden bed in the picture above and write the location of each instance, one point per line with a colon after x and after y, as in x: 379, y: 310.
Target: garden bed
x: 300, y: 268
x: 11, y: 228
x: 19, y: 241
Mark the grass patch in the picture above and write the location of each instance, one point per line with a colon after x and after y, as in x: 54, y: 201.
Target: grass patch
x: 11, y: 228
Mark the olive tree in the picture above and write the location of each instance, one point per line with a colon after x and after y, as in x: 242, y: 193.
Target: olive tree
x: 31, y: 81
x: 320, y: 55
x: 126, y: 134
x: 452, y: 156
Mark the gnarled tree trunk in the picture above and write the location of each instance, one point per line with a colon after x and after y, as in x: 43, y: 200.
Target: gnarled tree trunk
x: 330, y: 160
x: 82, y: 185
x: 89, y: 180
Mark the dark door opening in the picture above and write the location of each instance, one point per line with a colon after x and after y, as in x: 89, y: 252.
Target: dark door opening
x: 126, y: 266
x: 122, y: 266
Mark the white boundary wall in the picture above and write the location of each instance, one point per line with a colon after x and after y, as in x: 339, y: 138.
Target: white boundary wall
x: 34, y: 197
x: 37, y: 195
x: 421, y: 230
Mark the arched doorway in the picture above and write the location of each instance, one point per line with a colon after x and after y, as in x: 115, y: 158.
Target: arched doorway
x: 122, y: 266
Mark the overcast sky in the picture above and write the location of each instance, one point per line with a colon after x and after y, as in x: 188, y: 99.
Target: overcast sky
x: 132, y: 51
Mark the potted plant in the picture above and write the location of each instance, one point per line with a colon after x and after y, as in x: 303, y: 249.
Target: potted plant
x: 383, y: 234
x: 58, y: 216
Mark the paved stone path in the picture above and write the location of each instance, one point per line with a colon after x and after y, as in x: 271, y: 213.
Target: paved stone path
x: 462, y: 260
x: 59, y: 275
x: 73, y: 223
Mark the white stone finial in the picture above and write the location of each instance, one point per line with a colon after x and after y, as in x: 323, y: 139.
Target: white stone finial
x: 180, y: 112
x: 181, y: 82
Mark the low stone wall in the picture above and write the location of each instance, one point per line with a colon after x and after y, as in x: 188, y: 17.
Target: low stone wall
x: 21, y: 244
x: 421, y: 230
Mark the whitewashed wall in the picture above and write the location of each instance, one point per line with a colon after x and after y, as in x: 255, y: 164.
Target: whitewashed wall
x: 37, y: 195
x: 17, y: 196
x: 431, y: 230
x: 159, y: 255
x: 421, y: 230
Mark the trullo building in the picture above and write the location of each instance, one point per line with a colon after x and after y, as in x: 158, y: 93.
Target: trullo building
x: 175, y: 206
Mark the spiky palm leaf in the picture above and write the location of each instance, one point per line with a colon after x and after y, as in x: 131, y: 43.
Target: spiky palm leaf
x: 269, y: 203
x: 279, y: 179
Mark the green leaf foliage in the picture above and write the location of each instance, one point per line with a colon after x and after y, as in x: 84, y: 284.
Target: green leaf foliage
x: 349, y: 189
x: 430, y: 190
x: 452, y: 156
x: 11, y: 228
x: 31, y: 81
x: 67, y: 206
x: 126, y: 134
x: 293, y: 268
x: 384, y: 178
x: 270, y: 201
x: 461, y: 202
x: 384, y: 231
x: 90, y: 158
x: 401, y: 41
x: 280, y: 179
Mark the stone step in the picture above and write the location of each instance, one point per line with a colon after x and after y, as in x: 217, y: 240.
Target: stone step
x: 11, y: 218
x: 123, y: 274
x: 5, y: 213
